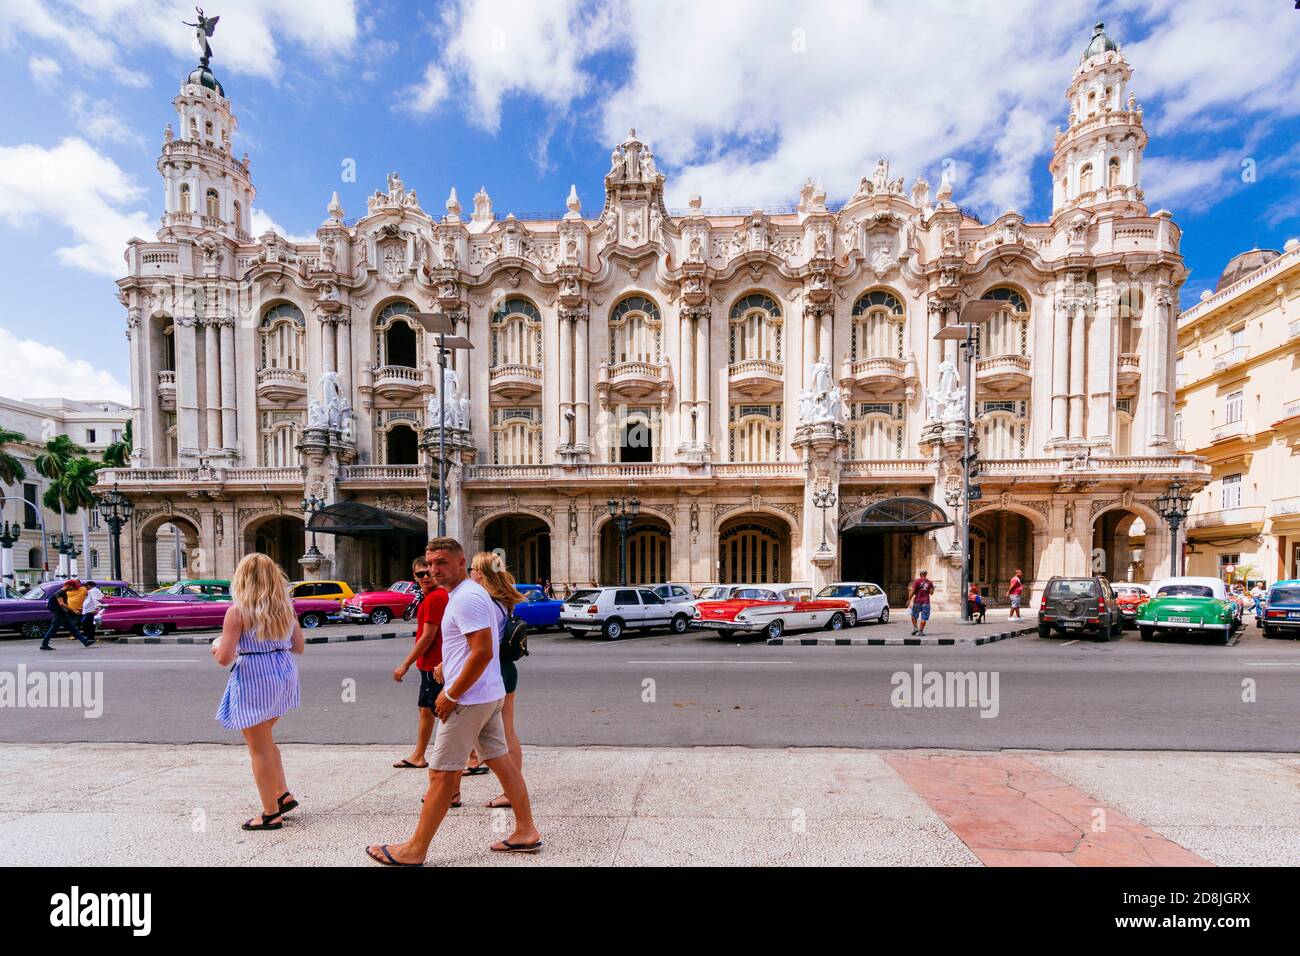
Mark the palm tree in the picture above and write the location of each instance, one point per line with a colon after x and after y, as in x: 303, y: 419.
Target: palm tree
x: 118, y: 454
x: 53, y: 464
x: 11, y: 469
x: 78, y: 492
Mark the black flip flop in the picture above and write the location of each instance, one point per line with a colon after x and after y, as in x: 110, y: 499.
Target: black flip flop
x: 454, y: 803
x: 508, y: 847
x: 407, y: 765
x: 286, y: 807
x: 475, y: 771
x: 269, y: 822
x: 389, y: 861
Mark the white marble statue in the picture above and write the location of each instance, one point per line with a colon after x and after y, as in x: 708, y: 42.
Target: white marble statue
x: 822, y: 401
x: 317, y: 416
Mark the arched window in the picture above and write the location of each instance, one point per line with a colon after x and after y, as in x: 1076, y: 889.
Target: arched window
x: 877, y: 330
x: 238, y: 215
x: 213, y: 204
x: 1129, y: 306
x: 1124, y: 427
x: 876, y: 431
x: 755, y: 329
x: 516, y: 334
x: 280, y: 439
x: 185, y: 199
x: 397, y: 343
x: 1112, y: 171
x: 638, y: 435
x: 282, y: 331
x: 169, y: 345
x: 1007, y: 331
x: 635, y: 332
x: 1004, y: 428
x: 754, y: 433
x: 1085, y: 179
x: 1092, y: 102
x: 517, y: 436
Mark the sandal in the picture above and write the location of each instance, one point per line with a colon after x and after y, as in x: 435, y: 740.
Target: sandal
x: 388, y: 857
x: 269, y: 822
x: 505, y: 846
x: 407, y: 765
x: 285, y: 807
x: 455, y: 801
x: 476, y: 771
x: 493, y: 805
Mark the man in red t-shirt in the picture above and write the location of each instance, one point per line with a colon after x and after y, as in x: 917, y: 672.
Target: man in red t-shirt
x: 426, y: 654
x: 1014, y: 591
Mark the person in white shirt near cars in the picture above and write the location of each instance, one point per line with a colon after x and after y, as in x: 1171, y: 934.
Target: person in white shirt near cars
x: 469, y: 711
x: 94, y: 601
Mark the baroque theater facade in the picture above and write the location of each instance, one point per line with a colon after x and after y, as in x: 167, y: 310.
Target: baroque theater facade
x: 767, y: 385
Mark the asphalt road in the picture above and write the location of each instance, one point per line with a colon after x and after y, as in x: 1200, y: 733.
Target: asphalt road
x: 708, y: 690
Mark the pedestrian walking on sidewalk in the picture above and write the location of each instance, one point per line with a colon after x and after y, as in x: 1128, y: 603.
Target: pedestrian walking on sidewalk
x: 93, y: 602
x: 61, y: 617
x: 488, y: 570
x: 1014, y: 590
x: 469, y: 711
x: 426, y: 655
x: 918, y: 596
x: 259, y: 635
x: 74, y: 593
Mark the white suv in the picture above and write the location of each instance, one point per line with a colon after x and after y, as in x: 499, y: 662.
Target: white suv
x: 613, y: 611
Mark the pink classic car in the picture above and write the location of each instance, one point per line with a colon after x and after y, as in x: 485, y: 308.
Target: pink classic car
x: 155, y: 618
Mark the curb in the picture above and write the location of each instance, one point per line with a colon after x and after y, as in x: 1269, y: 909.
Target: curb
x: 322, y: 639
x: 898, y: 641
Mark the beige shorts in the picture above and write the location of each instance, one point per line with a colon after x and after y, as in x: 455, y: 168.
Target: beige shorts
x: 470, y: 727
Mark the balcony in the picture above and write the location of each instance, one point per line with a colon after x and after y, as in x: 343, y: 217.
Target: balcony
x: 515, y: 382
x: 756, y: 377
x: 165, y: 480
x: 1229, y: 430
x: 1289, y: 411
x: 1284, y: 507
x: 1293, y: 331
x: 632, y: 381
x: 398, y: 383
x: 876, y: 375
x: 1128, y: 373
x: 383, y: 476
x: 1245, y: 518
x: 864, y: 468
x: 1002, y: 373
x: 759, y: 469
x: 1180, y: 380
x: 1231, y: 357
x: 167, y: 390
x: 281, y: 385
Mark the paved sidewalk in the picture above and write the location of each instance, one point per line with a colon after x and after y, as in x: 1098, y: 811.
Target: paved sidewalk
x: 116, y: 804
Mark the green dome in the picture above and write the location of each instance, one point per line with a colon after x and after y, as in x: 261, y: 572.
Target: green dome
x: 1099, y: 44
x: 202, y: 76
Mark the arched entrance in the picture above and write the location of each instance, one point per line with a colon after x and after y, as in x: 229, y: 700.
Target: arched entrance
x: 526, y: 543
x: 375, y: 547
x: 1119, y: 543
x: 649, y: 551
x: 877, y: 542
x: 1001, y: 543
x: 753, y: 549
x: 157, y: 552
x: 280, y: 538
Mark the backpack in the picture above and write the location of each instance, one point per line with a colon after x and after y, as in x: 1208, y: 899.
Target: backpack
x: 514, y: 637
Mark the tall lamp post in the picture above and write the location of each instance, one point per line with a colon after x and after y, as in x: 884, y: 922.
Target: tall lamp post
x: 824, y: 498
x: 66, y: 545
x: 966, y: 333
x: 9, y: 535
x: 115, y: 508
x: 442, y: 325
x: 623, y: 511
x: 1173, y: 506
x: 310, y: 506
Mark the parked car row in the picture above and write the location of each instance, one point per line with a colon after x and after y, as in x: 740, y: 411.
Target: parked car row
x: 1091, y: 605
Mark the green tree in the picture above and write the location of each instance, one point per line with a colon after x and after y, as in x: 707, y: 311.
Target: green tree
x: 118, y: 454
x: 11, y: 469
x: 53, y: 464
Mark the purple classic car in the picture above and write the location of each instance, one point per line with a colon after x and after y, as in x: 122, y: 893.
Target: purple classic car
x: 28, y: 614
x: 154, y: 618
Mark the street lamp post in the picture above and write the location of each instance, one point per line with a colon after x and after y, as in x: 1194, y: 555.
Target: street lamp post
x: 1173, y: 506
x: 310, y: 506
x: 66, y: 545
x: 115, y: 508
x: 824, y: 498
x: 9, y: 535
x: 624, y: 512
x: 440, y: 324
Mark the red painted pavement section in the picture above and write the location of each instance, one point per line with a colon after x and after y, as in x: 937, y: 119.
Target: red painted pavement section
x: 1011, y: 812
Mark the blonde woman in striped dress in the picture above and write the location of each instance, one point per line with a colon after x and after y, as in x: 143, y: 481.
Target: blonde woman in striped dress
x: 259, y: 634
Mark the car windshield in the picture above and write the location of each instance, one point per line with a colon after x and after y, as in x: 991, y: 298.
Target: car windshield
x: 837, y: 591
x: 1185, y: 590
x: 713, y: 594
x: 532, y: 597
x: 1085, y: 587
x: 585, y: 596
x: 35, y: 594
x: 1284, y: 596
x: 796, y: 594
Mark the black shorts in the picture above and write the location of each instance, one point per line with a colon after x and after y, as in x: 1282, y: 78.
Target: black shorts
x: 509, y: 675
x: 429, y: 689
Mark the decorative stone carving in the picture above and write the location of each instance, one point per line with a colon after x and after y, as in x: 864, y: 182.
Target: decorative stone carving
x: 823, y: 401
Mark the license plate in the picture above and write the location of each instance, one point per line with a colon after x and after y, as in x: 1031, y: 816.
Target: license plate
x: 1073, y: 624
x: 1180, y: 620
x: 1293, y: 615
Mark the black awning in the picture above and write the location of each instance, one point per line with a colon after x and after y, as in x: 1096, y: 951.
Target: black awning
x: 897, y: 514
x: 356, y: 519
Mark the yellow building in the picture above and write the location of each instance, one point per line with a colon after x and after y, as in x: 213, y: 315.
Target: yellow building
x: 1238, y: 405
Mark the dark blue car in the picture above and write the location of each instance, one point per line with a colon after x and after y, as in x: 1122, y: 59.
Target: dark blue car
x: 1281, y: 610
x: 537, y: 610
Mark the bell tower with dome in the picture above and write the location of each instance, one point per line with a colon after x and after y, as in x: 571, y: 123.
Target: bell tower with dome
x: 206, y: 189
x: 1097, y: 160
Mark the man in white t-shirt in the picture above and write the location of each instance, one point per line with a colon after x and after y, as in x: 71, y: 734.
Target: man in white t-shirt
x: 469, y: 711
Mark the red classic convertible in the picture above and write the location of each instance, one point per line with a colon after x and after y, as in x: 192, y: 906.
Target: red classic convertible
x: 155, y: 618
x: 772, y: 609
x: 380, y: 607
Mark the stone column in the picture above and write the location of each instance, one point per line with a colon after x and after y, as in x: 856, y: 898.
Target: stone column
x: 933, y: 347
x: 1102, y: 364
x: 703, y: 375
x: 229, y: 396
x: 686, y: 372
x: 1078, y: 356
x: 212, y: 385
x: 1060, y: 371
x: 566, y: 376
x: 1161, y: 374
x: 328, y: 348
x: 582, y: 379
x: 343, y: 351
x: 187, y: 391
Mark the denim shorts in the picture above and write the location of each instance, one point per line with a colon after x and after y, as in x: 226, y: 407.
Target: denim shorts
x: 921, y: 612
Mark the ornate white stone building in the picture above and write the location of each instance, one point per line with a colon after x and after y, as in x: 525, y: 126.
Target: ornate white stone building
x: 766, y: 384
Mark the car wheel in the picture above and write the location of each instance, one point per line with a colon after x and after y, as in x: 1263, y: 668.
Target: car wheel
x: 851, y: 619
x: 573, y: 632
x: 774, y: 630
x: 310, y: 619
x: 836, y: 623
x: 612, y: 630
x: 1148, y: 633
x: 33, y: 628
x: 884, y: 615
x: 680, y: 623
x: 153, y: 630
x: 380, y: 615
x: 1044, y: 630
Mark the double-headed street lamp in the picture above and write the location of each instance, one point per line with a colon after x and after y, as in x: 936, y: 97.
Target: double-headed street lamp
x: 965, y: 332
x: 442, y: 325
x: 1173, y: 506
x: 9, y: 535
x: 624, y: 511
x: 66, y: 545
x: 824, y: 498
x: 310, y: 506
x: 115, y: 508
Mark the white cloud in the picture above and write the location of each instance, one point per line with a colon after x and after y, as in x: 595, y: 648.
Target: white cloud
x: 80, y: 190
x: 427, y: 95
x: 1191, y: 185
x: 99, y: 119
x: 31, y: 368
x: 45, y: 70
x: 261, y: 222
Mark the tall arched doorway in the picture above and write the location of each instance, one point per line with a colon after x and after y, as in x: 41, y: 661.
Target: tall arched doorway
x: 1119, y: 542
x: 753, y: 549
x: 158, y: 541
x: 1001, y: 543
x: 526, y: 543
x: 649, y: 551
x: 280, y: 538
x: 877, y: 542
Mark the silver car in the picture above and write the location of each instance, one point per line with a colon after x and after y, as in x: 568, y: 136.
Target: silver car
x: 674, y: 593
x: 614, y: 611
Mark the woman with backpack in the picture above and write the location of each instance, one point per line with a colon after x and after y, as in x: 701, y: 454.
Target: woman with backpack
x: 489, y: 570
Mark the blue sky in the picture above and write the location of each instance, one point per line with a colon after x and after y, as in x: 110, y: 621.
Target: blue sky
x: 741, y: 101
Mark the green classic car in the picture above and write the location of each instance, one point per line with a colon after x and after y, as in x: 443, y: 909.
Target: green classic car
x: 1197, y: 605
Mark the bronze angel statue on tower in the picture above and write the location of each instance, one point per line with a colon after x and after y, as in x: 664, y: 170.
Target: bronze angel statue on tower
x: 202, y: 30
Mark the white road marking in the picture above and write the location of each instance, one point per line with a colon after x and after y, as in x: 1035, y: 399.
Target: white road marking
x: 1068, y: 643
x: 1273, y: 663
x: 710, y: 662
x: 104, y: 660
